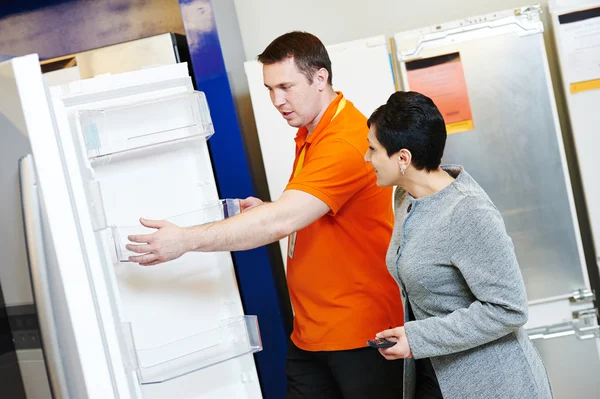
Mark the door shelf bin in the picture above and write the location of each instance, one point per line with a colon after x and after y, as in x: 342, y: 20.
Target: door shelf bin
x: 209, y: 212
x: 145, y: 123
x: 235, y: 337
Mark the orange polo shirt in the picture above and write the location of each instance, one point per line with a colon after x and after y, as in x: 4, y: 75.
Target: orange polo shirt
x: 339, y: 285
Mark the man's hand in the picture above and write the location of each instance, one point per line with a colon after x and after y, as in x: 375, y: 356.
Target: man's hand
x: 250, y: 203
x: 399, y: 351
x: 267, y: 223
x: 165, y: 244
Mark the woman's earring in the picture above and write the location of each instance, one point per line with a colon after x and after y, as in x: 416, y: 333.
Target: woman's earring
x: 401, y: 168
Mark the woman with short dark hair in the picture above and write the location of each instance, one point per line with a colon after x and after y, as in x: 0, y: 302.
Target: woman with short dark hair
x: 463, y: 293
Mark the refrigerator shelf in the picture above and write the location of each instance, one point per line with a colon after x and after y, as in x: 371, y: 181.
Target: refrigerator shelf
x: 235, y: 337
x: 211, y: 211
x: 145, y: 124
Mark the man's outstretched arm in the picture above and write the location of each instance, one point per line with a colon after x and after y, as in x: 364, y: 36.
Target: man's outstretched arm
x: 253, y: 228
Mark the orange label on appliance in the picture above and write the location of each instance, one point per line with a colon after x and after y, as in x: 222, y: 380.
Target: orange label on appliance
x: 442, y: 79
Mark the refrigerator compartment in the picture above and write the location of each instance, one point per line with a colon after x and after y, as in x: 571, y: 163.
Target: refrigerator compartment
x: 209, y: 212
x: 233, y: 338
x: 145, y: 123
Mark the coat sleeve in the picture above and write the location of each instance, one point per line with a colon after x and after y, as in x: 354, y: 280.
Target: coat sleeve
x: 484, y: 253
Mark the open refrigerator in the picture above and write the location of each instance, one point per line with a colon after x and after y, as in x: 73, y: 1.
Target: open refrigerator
x: 105, y: 152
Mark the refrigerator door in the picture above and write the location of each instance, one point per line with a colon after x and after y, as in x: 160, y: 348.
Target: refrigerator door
x: 576, y: 26
x: 134, y: 145
x: 577, y: 37
x: 94, y: 367
x: 508, y: 138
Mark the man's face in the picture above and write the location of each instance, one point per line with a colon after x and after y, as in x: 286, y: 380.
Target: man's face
x: 294, y: 97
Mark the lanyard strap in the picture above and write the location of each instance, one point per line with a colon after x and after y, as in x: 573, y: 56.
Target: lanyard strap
x: 300, y: 162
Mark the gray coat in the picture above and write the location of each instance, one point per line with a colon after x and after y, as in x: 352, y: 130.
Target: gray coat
x: 456, y: 265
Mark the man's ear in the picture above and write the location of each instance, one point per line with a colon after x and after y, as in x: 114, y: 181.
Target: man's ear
x: 321, y: 79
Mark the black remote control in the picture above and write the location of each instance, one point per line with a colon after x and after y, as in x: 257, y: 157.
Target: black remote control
x: 378, y: 343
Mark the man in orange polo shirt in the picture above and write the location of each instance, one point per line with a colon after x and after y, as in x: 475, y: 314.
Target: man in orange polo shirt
x: 339, y: 225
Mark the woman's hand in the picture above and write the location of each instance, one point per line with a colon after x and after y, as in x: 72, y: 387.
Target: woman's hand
x: 399, y: 351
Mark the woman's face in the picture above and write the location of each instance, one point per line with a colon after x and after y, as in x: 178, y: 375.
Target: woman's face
x: 386, y: 167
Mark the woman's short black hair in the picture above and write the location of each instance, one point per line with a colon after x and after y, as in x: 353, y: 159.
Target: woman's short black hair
x: 411, y: 120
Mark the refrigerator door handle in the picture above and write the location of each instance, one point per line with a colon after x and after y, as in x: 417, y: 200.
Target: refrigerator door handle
x: 32, y: 223
x: 583, y: 326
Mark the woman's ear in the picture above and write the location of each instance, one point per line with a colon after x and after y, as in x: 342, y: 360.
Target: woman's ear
x: 404, y: 158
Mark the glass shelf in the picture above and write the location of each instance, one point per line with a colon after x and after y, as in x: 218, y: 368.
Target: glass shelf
x: 145, y: 124
x: 209, y: 212
x: 233, y: 338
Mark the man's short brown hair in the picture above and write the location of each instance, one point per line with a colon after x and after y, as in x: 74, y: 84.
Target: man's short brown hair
x: 308, y: 51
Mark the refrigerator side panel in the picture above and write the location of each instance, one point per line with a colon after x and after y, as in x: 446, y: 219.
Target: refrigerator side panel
x: 20, y: 334
x: 31, y: 105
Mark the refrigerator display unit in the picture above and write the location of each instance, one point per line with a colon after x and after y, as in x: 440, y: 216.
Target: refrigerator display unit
x: 503, y: 125
x: 106, y: 151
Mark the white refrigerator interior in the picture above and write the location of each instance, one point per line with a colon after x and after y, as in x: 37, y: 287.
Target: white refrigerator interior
x: 128, y: 146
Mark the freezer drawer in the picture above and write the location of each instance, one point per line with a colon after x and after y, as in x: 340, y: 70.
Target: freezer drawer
x: 572, y: 364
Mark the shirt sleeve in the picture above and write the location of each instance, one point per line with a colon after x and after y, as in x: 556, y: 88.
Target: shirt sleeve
x: 485, y: 256
x: 335, y: 171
